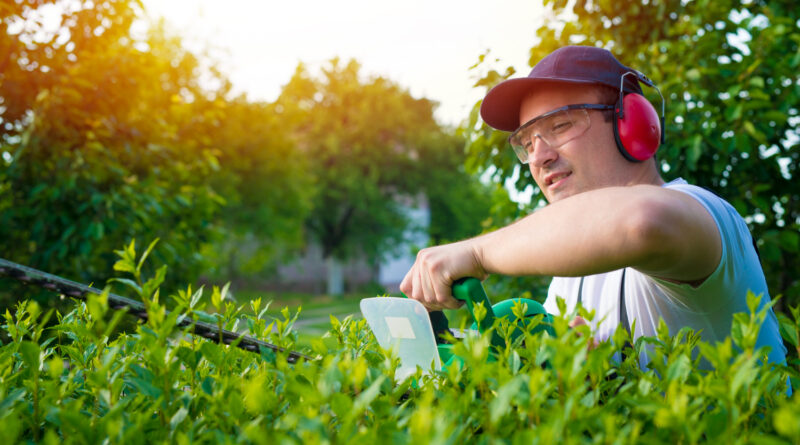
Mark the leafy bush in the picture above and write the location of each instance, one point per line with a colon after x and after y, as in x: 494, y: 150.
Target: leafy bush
x: 73, y: 382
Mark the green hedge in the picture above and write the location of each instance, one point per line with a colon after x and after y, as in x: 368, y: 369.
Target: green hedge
x: 70, y: 380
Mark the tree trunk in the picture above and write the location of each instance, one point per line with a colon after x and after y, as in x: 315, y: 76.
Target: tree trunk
x: 335, y: 276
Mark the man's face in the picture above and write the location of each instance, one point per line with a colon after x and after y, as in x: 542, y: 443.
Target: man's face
x: 588, y: 162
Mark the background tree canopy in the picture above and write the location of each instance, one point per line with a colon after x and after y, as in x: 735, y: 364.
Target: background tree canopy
x: 108, y: 136
x: 729, y: 73
x: 374, y: 151
x: 361, y: 137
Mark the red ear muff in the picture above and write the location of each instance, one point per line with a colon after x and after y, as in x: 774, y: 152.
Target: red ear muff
x: 637, y: 128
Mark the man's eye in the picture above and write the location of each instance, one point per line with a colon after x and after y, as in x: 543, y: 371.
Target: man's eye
x: 527, y: 140
x: 560, y: 127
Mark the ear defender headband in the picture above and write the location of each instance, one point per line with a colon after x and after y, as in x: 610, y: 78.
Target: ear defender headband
x: 637, y: 125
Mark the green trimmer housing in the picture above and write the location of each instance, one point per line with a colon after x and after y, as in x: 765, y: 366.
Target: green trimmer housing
x: 470, y: 291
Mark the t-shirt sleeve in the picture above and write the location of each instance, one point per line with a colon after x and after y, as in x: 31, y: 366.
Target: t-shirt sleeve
x: 719, y: 288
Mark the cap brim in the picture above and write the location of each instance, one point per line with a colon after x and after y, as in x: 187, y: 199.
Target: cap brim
x: 500, y: 107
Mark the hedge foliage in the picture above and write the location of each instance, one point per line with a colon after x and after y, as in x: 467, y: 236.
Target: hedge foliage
x: 70, y: 380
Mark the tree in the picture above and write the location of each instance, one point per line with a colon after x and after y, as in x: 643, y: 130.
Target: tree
x: 107, y: 138
x: 34, y: 57
x: 729, y: 73
x: 267, y: 187
x: 363, y: 138
x: 459, y: 202
x: 106, y: 156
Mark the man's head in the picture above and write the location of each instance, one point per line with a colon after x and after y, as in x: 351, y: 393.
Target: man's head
x: 564, y: 121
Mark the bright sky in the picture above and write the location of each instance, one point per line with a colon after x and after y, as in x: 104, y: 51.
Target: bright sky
x: 425, y: 46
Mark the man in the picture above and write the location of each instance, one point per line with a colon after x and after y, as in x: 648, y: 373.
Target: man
x: 614, y: 235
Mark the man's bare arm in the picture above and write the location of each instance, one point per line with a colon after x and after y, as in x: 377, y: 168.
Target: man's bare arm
x: 658, y: 231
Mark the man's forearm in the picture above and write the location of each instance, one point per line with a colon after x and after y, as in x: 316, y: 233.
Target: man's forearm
x: 660, y: 232
x: 592, y: 232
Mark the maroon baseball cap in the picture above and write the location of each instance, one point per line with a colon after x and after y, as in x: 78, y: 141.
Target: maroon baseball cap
x: 570, y: 64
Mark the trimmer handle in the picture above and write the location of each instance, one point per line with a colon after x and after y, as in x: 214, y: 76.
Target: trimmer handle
x: 470, y: 290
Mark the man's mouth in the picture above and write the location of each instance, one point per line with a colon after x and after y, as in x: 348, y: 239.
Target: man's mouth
x: 555, y: 177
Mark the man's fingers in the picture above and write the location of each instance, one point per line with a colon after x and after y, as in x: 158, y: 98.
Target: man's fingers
x: 445, y: 296
x: 406, y: 284
x: 578, y: 321
x: 431, y: 300
x: 429, y: 279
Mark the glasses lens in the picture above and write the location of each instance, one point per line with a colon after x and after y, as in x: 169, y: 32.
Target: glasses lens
x: 555, y: 130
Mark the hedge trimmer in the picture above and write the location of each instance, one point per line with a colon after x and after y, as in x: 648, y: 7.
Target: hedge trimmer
x: 401, y: 324
x: 72, y: 289
x: 419, y: 336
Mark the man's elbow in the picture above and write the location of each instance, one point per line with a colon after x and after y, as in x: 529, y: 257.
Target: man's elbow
x: 652, y: 235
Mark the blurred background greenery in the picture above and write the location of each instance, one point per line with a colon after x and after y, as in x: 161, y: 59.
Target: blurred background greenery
x: 107, y: 136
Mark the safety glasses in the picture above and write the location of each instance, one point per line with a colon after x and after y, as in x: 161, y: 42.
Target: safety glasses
x: 555, y: 128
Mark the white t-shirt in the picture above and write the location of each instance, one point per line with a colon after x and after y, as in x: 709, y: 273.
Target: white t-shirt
x: 708, y: 307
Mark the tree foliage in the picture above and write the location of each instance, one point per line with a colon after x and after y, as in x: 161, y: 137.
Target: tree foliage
x: 266, y: 185
x: 366, y: 140
x: 33, y: 57
x: 729, y: 73
x: 101, y: 154
x: 459, y: 203
x: 108, y: 136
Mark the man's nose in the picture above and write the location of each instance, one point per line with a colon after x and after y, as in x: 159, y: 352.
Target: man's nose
x: 541, y: 153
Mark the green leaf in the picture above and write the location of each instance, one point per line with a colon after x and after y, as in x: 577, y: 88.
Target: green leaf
x: 757, y: 82
x: 124, y: 265
x: 785, y: 422
x: 31, y: 355
x: 514, y: 361
x: 196, y: 297
x: 216, y: 298
x: 679, y: 370
x: 145, y: 387
x: 145, y: 254
x: 130, y: 283
x: 212, y: 353
x: 341, y: 404
x: 177, y: 418
x: 208, y: 385
x: 501, y: 405
x: 151, y: 285
x: 367, y: 396
x: 189, y: 356
x: 11, y: 399
x: 733, y: 112
x: 788, y: 329
x: 753, y: 132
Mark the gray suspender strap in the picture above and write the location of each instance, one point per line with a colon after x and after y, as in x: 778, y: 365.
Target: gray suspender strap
x: 623, y: 311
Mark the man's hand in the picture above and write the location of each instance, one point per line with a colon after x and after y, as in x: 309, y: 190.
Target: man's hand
x: 431, y: 277
x: 580, y: 321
